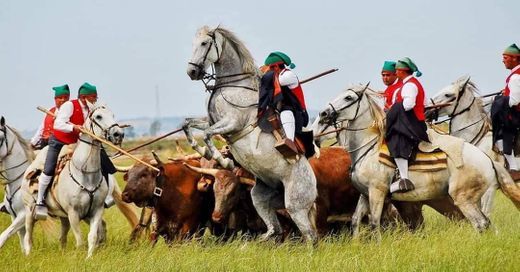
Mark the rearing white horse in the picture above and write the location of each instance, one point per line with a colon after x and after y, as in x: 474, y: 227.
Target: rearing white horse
x: 232, y: 109
x: 81, y: 189
x: 363, y: 119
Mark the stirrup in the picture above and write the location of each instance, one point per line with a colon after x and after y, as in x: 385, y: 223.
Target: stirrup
x: 401, y: 186
x: 40, y: 211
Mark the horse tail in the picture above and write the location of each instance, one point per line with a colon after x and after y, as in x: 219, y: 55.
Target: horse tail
x: 507, y: 185
x: 50, y: 228
x: 126, y: 209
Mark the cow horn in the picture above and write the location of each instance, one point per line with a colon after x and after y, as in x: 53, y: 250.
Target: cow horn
x: 247, y: 181
x: 204, y: 171
x: 157, y: 159
x: 123, y: 168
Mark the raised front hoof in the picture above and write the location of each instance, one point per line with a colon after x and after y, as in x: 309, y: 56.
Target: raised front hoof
x: 401, y: 186
x: 40, y: 212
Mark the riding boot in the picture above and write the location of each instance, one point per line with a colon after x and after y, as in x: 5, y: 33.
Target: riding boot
x: 109, y: 200
x: 403, y: 184
x: 40, y: 210
x: 283, y: 144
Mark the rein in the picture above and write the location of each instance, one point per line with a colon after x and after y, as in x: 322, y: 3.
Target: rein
x: 3, y: 173
x: 83, y: 188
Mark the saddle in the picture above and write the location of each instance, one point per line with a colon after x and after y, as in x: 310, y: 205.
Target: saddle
x: 431, y: 161
x: 33, y: 176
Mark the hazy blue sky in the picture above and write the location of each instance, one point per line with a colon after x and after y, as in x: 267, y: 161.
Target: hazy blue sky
x: 126, y: 48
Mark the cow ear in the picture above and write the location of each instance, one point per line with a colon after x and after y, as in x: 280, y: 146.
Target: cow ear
x: 125, y: 177
x: 2, y: 121
x: 160, y: 164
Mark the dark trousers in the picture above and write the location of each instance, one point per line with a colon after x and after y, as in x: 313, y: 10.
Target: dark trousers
x: 508, y: 136
x: 55, y: 146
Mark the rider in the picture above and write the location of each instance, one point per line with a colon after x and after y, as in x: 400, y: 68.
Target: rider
x: 405, y: 122
x: 67, y: 126
x: 505, y: 111
x: 281, y: 91
x: 41, y: 137
x: 391, y: 81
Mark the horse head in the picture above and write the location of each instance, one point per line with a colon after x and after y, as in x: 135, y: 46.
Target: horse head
x: 101, y: 122
x: 207, y: 49
x: 345, y: 107
x: 453, y: 98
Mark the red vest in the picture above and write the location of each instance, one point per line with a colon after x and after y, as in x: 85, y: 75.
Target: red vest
x: 419, y: 99
x: 298, y: 92
x: 48, y: 124
x: 77, y: 118
x: 389, y: 93
x: 506, y: 90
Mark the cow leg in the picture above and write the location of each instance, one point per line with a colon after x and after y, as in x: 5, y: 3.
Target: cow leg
x: 65, y: 227
x: 262, y: 196
x: 361, y: 211
x: 411, y: 213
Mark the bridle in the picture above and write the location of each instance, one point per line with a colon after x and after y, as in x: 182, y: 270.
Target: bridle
x: 9, y: 151
x: 93, y: 122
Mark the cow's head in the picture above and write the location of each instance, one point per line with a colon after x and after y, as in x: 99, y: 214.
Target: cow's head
x: 140, y: 184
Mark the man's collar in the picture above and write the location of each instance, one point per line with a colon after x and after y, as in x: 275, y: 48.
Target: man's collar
x: 396, y: 81
x: 515, y: 69
x: 407, y: 78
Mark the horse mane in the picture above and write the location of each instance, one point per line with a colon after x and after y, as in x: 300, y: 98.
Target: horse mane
x: 472, y: 87
x: 375, y: 109
x: 247, y: 60
x: 25, y: 145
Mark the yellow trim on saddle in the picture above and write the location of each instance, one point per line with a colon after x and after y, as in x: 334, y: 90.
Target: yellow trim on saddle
x: 424, y: 162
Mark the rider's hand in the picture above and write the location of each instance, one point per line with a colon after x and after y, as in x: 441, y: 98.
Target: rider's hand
x: 76, y: 128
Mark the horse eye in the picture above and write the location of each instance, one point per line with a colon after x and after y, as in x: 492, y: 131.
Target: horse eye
x: 448, y: 95
x: 348, y: 98
x: 98, y: 117
x: 204, y: 43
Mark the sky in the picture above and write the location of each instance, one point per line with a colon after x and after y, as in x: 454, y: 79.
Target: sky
x: 129, y: 48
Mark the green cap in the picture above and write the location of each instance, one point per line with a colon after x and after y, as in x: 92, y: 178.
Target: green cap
x: 277, y: 56
x: 86, y: 89
x: 61, y: 90
x: 389, y: 66
x: 512, y: 50
x: 407, y: 64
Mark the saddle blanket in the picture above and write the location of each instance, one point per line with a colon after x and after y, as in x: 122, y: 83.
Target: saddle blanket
x: 424, y: 161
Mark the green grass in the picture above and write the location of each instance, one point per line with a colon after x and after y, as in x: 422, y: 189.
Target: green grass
x: 441, y: 246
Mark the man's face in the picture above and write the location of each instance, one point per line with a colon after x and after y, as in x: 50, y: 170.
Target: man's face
x: 60, y: 99
x: 401, y: 74
x: 388, y: 77
x: 510, y: 62
x: 92, y: 98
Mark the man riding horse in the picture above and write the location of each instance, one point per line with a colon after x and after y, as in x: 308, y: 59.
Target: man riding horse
x: 392, y: 82
x: 66, y: 129
x: 505, y: 110
x: 44, y: 132
x: 281, y: 92
x: 405, y: 126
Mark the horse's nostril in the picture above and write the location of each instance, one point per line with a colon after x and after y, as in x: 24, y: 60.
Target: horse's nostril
x: 323, y: 114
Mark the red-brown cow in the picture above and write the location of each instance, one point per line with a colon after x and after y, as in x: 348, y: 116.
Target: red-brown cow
x: 181, y: 210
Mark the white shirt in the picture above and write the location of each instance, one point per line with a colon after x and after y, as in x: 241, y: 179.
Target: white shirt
x: 288, y: 78
x: 63, y: 115
x: 408, y: 93
x: 514, y: 88
x: 38, y: 135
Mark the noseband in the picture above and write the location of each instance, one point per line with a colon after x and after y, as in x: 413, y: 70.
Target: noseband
x: 94, y: 122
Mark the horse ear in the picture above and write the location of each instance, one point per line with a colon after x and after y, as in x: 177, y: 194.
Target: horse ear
x: 2, y: 121
x: 463, y: 86
x: 90, y: 105
x: 160, y: 164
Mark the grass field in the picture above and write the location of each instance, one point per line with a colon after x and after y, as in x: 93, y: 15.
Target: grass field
x: 441, y: 245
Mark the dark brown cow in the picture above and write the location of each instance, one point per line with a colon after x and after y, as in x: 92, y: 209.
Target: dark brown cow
x: 336, y: 195
x: 181, y: 210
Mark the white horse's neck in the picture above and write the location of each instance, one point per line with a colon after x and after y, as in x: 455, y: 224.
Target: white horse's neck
x: 86, y: 161
x: 468, y: 124
x: 360, y: 136
x: 15, y: 163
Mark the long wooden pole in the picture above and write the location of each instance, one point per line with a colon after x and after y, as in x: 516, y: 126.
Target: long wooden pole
x: 148, y: 143
x: 319, y: 75
x: 83, y: 130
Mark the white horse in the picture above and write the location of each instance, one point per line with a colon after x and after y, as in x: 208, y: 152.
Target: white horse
x: 232, y: 108
x: 468, y: 120
x: 15, y: 156
x: 363, y: 120
x: 81, y: 188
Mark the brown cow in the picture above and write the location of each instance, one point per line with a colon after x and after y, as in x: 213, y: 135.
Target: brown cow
x: 336, y: 195
x: 181, y: 210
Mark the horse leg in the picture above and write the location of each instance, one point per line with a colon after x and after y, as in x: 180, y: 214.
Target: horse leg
x: 95, y: 224
x: 29, y: 227
x: 223, y: 126
x: 262, y: 196
x: 65, y: 227
x: 16, y: 225
x: 75, y: 226
x: 21, y: 234
x: 359, y: 213
x: 376, y: 199
x: 102, y: 233
x: 199, y: 123
x: 487, y: 199
x: 446, y: 207
x: 411, y: 213
x: 467, y: 199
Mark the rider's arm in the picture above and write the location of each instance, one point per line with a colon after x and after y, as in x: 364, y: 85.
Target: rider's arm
x: 514, y: 87
x: 288, y: 78
x: 63, y: 117
x: 38, y: 135
x: 409, y: 93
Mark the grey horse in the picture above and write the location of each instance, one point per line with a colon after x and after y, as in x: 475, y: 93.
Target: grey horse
x: 232, y: 114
